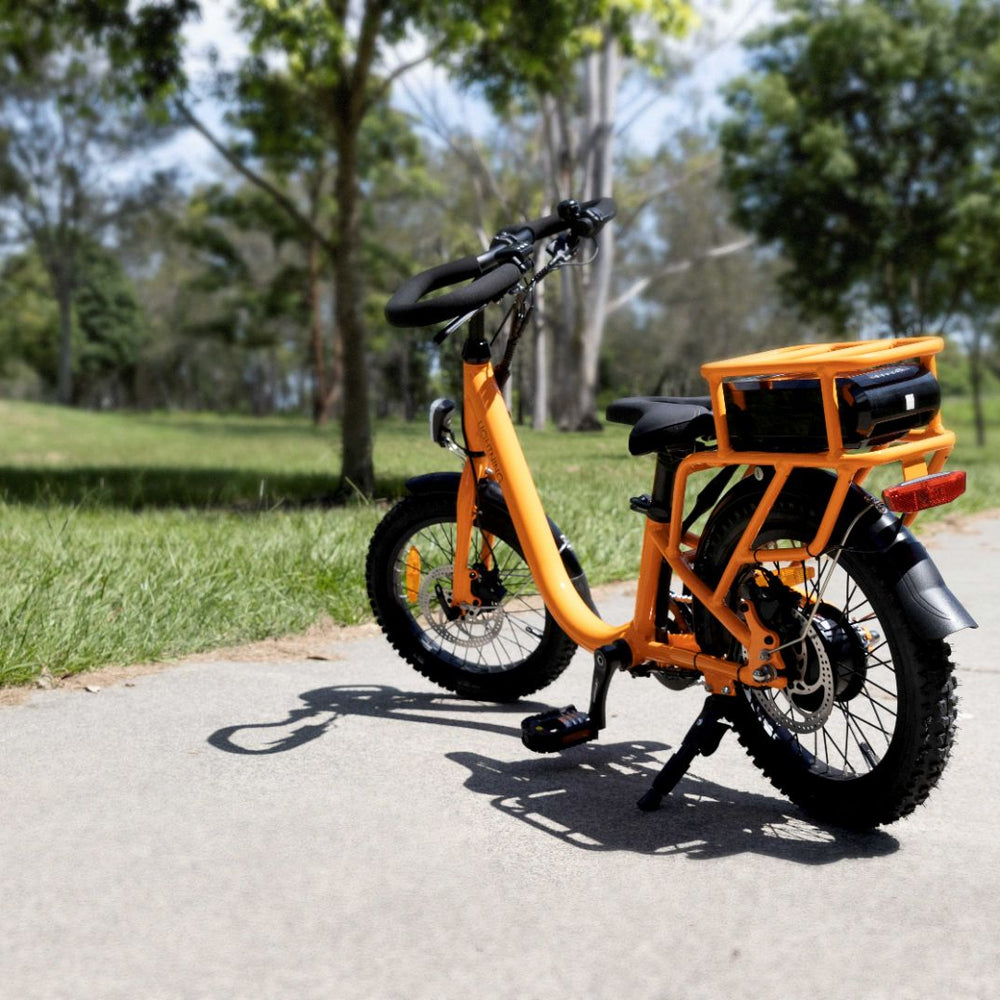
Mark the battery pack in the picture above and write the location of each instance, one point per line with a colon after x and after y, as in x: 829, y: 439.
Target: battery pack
x: 779, y: 413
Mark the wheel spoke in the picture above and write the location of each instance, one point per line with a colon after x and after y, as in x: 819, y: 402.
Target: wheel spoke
x: 495, y: 637
x: 835, y: 743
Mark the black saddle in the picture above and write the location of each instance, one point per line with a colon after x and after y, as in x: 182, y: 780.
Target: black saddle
x: 661, y: 422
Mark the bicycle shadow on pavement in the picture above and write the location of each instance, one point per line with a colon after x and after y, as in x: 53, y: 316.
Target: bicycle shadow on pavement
x: 585, y: 797
x: 373, y: 701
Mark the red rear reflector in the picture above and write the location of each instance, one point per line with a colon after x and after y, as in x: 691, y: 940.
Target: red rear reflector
x: 927, y: 491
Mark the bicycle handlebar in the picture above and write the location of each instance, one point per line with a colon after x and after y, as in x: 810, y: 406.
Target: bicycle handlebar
x: 406, y: 309
x: 495, y: 272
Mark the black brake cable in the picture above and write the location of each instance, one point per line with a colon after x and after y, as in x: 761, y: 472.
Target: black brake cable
x: 524, y: 304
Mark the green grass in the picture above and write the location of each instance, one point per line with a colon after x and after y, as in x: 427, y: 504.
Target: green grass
x: 127, y: 538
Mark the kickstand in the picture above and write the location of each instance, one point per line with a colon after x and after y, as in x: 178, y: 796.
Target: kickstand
x: 702, y: 738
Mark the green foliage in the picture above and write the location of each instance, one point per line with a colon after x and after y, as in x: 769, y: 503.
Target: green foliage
x: 700, y: 305
x: 110, y: 324
x: 142, y: 38
x: 511, y: 49
x: 63, y: 136
x: 864, y: 145
x: 244, y: 296
x: 109, y: 328
x: 29, y: 320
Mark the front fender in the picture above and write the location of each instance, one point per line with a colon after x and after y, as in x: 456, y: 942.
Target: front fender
x: 491, y: 495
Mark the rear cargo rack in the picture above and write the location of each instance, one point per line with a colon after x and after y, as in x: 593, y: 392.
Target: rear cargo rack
x: 822, y: 367
x: 902, y: 425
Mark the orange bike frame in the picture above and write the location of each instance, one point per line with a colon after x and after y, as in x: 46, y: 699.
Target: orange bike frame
x: 497, y: 455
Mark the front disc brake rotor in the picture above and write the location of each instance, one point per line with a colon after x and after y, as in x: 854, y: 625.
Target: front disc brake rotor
x: 476, y: 626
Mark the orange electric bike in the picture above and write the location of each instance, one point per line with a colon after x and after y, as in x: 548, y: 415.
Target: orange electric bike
x: 804, y: 606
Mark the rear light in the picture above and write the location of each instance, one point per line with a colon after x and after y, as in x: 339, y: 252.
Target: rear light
x: 927, y: 491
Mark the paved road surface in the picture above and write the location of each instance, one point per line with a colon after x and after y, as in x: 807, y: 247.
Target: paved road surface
x: 335, y: 828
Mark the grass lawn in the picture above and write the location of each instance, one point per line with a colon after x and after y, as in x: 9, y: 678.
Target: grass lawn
x: 131, y: 537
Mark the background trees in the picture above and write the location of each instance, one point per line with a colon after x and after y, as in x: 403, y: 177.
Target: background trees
x: 858, y: 150
x: 863, y: 145
x: 691, y: 287
x: 571, y: 86
x: 62, y: 184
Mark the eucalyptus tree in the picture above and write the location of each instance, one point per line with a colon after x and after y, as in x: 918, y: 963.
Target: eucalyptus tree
x: 704, y: 291
x: 342, y: 58
x: 573, y: 85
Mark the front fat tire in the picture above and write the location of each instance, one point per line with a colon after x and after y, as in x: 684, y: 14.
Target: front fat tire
x: 912, y: 762
x: 522, y: 648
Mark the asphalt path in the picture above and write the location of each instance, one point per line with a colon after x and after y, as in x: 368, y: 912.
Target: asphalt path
x: 335, y: 827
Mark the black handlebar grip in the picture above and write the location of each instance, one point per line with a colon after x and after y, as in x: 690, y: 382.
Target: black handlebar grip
x: 601, y: 211
x: 547, y: 225
x: 405, y: 308
x: 594, y: 215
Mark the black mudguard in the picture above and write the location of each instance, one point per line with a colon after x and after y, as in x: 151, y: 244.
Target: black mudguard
x: 932, y: 608
x: 490, y: 495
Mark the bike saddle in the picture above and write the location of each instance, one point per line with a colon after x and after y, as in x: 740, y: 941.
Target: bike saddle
x: 660, y: 422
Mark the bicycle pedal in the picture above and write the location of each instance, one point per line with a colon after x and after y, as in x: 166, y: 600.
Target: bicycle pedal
x: 557, y: 729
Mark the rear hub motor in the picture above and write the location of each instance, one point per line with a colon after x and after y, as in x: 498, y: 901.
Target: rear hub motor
x: 827, y: 666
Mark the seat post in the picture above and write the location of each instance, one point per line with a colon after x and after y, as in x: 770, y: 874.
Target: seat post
x: 667, y: 462
x: 661, y: 509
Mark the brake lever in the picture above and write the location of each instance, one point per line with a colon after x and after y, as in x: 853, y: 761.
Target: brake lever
x: 561, y: 250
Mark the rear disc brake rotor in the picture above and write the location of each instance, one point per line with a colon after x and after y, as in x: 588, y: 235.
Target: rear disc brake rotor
x: 805, y: 704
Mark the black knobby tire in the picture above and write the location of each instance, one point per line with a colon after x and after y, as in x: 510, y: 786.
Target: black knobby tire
x: 506, y: 650
x: 891, y: 723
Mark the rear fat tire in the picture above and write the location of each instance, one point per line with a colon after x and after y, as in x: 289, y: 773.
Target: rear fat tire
x: 516, y: 650
x: 827, y: 772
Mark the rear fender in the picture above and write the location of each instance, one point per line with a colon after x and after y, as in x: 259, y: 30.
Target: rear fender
x: 932, y: 608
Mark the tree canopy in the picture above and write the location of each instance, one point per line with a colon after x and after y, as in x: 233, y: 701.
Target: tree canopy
x: 863, y: 143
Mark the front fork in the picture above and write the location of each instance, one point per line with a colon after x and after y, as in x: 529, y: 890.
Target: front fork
x: 465, y: 516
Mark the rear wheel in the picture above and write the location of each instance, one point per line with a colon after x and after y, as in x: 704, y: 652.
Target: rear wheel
x: 506, y: 647
x: 864, y: 728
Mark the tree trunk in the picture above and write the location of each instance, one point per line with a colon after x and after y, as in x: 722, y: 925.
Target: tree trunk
x: 592, y: 335
x: 566, y: 348
x: 320, y: 390
x: 64, y: 383
x: 602, y: 92
x: 976, y: 383
x: 579, y: 329
x: 357, y: 468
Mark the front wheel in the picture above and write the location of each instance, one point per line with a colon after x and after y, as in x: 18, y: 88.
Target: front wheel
x: 865, y: 726
x: 506, y: 647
